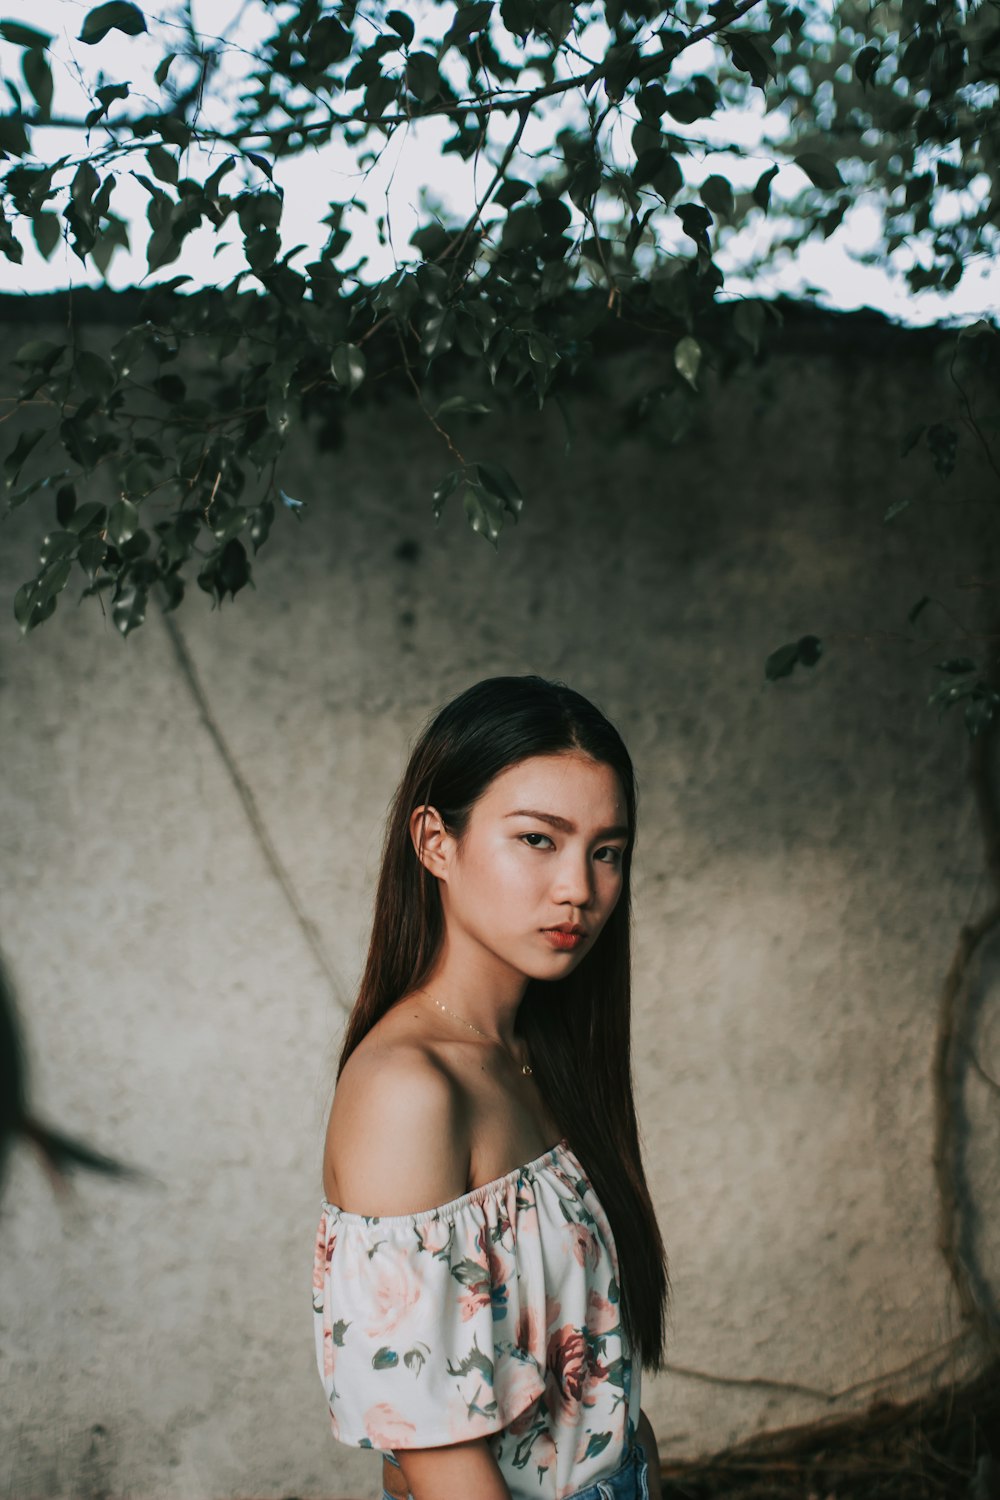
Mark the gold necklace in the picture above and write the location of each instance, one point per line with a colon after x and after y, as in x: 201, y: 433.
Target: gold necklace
x: 525, y: 1067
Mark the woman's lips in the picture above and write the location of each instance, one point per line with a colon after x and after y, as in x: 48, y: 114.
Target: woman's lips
x: 564, y: 940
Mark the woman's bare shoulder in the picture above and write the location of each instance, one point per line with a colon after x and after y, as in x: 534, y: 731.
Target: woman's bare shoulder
x: 398, y: 1140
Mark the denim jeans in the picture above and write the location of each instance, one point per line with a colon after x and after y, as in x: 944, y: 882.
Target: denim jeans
x: 630, y: 1481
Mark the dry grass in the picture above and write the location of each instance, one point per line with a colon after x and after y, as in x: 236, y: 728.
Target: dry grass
x: 940, y: 1447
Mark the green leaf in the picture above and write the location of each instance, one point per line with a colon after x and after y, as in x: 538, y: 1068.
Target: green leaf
x: 484, y: 512
x: 113, y: 236
x: 162, y: 164
x: 761, y: 192
x: 866, y: 65
x: 106, y: 96
x: 14, y: 461
x: 162, y: 247
x: 328, y: 42
x: 820, y: 170
x: 94, y: 373
x: 261, y: 520
x: 752, y: 53
x: 38, y: 77
x: 88, y: 519
x: 669, y: 179
x: 262, y: 164
x: 438, y: 333
x: 687, y: 358
x: 501, y: 484
x: 978, y: 713
x: 448, y: 486
x: 401, y: 25
x: 57, y: 545
x: 122, y: 522
x: 84, y: 185
x: 230, y: 524
x: 13, y: 137
x: 648, y: 163
x: 233, y: 571
x: 162, y: 69
x: 422, y: 77
x: 29, y: 611
x: 46, y: 229
x: 128, y: 609
x: 689, y: 105
x: 917, y: 55
x: 41, y: 353
x: 348, y: 365
x: 23, y: 36
x: 93, y: 550
x: 895, y: 508
x: 511, y: 191
x: 53, y: 580
x: 118, y: 15
x: 717, y: 194
x: 456, y: 404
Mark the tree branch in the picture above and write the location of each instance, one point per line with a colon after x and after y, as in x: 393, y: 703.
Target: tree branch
x: 654, y: 67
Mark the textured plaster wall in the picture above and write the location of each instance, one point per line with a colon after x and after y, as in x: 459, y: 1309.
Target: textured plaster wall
x: 807, y: 854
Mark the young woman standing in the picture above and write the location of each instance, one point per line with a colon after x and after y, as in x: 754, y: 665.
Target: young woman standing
x: 490, y: 1279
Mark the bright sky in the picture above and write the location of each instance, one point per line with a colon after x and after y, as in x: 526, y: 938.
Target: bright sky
x: 392, y: 187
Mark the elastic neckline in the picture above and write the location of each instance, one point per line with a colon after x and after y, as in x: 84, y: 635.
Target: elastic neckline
x: 475, y: 1195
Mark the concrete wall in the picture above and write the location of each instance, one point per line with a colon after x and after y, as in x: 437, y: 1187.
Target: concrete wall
x: 807, y: 853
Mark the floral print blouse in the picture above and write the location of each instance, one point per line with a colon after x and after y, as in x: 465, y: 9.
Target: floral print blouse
x: 495, y: 1315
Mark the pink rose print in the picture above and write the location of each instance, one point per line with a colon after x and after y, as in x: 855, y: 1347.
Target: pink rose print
x: 567, y: 1362
x: 472, y: 1298
x: 553, y: 1312
x: 498, y: 1265
x: 519, y: 1384
x: 602, y: 1315
x: 434, y: 1235
x: 585, y: 1246
x: 527, y: 1418
x: 319, y: 1263
x: 326, y: 1240
x: 528, y: 1335
x: 387, y: 1428
x: 393, y: 1290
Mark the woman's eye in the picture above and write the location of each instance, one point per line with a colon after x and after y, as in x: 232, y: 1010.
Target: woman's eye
x: 616, y: 855
x: 536, y: 836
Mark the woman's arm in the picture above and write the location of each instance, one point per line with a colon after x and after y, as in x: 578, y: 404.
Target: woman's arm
x: 646, y: 1438
x: 453, y: 1473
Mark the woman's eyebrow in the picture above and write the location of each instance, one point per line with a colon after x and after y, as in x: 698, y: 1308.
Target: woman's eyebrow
x: 620, y: 831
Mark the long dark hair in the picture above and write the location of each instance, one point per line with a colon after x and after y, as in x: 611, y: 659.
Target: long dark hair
x: 577, y: 1029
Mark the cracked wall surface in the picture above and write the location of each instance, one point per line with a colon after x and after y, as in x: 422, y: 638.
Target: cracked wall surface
x: 190, y: 823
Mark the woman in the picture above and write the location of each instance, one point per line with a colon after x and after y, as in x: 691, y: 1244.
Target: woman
x: 489, y: 1277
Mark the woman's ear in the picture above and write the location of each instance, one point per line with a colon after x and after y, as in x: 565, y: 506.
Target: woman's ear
x: 430, y: 839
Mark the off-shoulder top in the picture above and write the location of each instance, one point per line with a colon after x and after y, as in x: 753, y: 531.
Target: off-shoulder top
x: 494, y: 1315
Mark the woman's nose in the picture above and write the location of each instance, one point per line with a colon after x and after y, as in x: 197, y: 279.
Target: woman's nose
x: 574, y: 882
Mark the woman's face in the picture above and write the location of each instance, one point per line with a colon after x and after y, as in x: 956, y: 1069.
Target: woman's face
x: 543, y: 849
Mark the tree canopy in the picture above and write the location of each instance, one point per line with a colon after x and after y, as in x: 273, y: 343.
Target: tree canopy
x: 599, y: 131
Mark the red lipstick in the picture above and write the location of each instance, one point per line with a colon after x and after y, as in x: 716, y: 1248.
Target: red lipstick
x: 566, y: 937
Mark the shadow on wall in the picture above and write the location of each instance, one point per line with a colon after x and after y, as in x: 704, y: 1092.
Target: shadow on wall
x: 61, y: 1154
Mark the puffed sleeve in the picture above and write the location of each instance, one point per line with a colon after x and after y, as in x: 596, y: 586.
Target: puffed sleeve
x: 425, y: 1330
